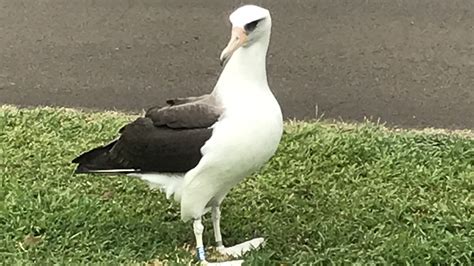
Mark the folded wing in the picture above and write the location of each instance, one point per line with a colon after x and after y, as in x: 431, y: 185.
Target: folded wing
x: 167, y: 139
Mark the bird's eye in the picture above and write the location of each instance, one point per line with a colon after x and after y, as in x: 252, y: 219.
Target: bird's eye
x: 251, y: 26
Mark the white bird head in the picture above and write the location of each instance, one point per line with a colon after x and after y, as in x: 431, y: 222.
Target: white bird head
x: 249, y: 24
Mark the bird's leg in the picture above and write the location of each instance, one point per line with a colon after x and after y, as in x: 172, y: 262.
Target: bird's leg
x: 216, y: 224
x: 237, y: 250
x: 198, y: 230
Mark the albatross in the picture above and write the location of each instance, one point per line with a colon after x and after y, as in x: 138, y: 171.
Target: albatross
x: 197, y: 149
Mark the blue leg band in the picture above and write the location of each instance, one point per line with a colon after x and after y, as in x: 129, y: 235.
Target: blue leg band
x: 200, y: 253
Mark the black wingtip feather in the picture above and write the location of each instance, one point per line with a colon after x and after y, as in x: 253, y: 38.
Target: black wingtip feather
x: 81, y: 169
x: 94, y: 160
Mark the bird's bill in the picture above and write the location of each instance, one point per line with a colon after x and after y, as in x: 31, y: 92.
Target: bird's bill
x: 238, y: 38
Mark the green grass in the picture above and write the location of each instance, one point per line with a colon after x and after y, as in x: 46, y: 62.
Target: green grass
x: 334, y: 193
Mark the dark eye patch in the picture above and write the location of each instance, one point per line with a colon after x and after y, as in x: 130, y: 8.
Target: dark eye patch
x: 249, y: 27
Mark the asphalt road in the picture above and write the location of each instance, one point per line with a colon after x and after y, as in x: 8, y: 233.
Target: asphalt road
x: 408, y: 62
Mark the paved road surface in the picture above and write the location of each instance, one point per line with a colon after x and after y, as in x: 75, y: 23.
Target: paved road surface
x: 408, y: 62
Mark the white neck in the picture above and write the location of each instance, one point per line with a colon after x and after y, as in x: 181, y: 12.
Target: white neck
x: 246, y: 66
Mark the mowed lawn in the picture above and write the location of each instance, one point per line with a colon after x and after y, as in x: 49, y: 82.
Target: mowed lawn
x: 334, y: 193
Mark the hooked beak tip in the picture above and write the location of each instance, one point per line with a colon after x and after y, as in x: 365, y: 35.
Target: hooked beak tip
x: 223, y: 59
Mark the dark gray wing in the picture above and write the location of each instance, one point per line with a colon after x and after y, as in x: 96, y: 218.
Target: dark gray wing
x: 167, y: 139
x: 199, y: 114
x: 177, y: 101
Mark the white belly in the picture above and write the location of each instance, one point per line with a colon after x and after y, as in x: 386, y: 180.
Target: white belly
x: 242, y: 142
x: 244, y: 151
